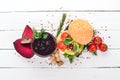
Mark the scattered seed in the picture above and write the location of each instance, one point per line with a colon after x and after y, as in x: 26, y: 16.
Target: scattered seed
x: 87, y: 57
x: 75, y: 64
x: 108, y: 36
x: 105, y: 26
x: 105, y: 29
x: 80, y: 62
x: 60, y: 7
x: 29, y: 21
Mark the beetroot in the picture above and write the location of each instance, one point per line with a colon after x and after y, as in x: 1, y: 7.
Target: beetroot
x: 23, y: 49
x: 23, y: 45
x: 27, y: 36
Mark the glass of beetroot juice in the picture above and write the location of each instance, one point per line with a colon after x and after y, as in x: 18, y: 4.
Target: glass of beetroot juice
x: 44, y: 46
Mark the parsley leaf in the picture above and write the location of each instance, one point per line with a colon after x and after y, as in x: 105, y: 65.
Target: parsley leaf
x: 45, y: 36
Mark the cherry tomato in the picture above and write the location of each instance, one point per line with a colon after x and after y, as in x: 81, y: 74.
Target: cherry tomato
x: 103, y: 47
x: 61, y: 45
x: 97, y: 40
x: 92, y: 48
x: 64, y: 35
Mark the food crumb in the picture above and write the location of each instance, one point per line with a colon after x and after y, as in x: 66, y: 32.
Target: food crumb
x: 29, y: 21
x: 109, y: 45
x: 60, y: 7
x: 108, y: 36
x: 69, y: 15
x: 105, y: 26
x: 82, y: 57
x: 80, y: 62
x: 40, y: 62
x: 76, y: 64
x: 41, y: 24
x: 88, y: 58
x: 101, y: 26
x: 91, y: 22
x: 105, y: 29
x: 50, y: 64
x: 75, y: 16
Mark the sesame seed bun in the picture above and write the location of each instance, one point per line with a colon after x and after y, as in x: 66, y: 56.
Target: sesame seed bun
x: 81, y: 31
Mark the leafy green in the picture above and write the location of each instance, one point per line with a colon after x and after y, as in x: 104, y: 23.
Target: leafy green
x: 67, y: 41
x: 74, y: 47
x: 36, y: 33
x: 45, y: 36
x: 40, y: 34
x: 61, y: 24
x: 77, y: 54
x: 42, y: 30
x: 66, y: 55
x: 70, y: 57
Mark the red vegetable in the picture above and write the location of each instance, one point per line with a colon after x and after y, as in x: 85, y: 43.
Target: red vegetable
x: 23, y: 49
x: 27, y: 35
x: 64, y: 35
x: 103, y: 47
x: 61, y: 45
x: 92, y: 48
x: 97, y: 40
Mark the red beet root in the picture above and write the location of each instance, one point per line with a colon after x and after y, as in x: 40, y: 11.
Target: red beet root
x: 27, y: 36
x: 23, y: 49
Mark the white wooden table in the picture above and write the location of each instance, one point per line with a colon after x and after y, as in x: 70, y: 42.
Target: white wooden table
x: 104, y: 16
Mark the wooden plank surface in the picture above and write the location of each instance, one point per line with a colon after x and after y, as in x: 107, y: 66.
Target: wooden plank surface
x: 103, y: 15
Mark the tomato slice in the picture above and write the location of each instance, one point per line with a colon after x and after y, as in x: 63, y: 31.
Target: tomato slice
x: 64, y: 35
x: 61, y: 45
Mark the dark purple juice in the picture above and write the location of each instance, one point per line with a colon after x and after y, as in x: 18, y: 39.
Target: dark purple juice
x: 44, y: 46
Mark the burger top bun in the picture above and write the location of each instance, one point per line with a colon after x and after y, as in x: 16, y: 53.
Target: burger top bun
x: 81, y: 31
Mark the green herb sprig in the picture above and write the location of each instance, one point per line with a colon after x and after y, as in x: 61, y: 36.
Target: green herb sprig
x: 61, y: 24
